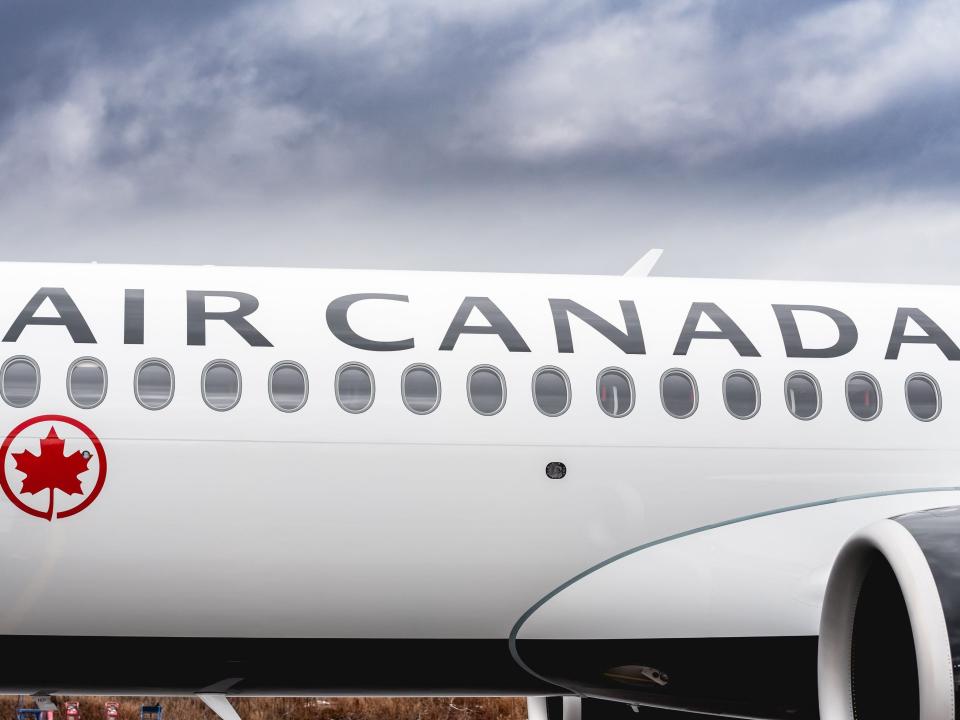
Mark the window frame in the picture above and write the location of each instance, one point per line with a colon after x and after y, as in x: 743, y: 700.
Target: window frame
x: 876, y: 385
x: 306, y: 384
x: 503, y: 387
x: 696, y: 392
x: 3, y: 373
x: 936, y: 388
x: 136, y: 385
x: 106, y: 381
x: 566, y: 381
x: 756, y: 386
x: 203, y: 383
x: 403, y: 387
x: 336, y: 386
x: 633, y: 390
x: 816, y: 385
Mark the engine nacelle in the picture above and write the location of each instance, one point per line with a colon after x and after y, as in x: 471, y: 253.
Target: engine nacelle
x: 890, y: 626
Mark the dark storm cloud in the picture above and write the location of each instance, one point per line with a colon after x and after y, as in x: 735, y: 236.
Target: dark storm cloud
x: 619, y: 88
x: 478, y: 112
x: 42, y: 42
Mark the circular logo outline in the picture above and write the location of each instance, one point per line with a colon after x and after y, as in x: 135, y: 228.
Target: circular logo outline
x: 91, y: 496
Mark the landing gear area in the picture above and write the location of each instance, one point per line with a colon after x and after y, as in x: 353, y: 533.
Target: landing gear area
x: 558, y: 707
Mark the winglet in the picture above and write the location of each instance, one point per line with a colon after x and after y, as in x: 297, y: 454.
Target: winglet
x: 644, y: 266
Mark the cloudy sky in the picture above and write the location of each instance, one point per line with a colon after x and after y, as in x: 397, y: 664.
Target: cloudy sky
x: 789, y: 139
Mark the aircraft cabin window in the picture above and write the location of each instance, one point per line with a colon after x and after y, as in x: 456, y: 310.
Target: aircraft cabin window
x: 354, y: 387
x: 153, y: 384
x: 486, y: 390
x: 615, y: 392
x: 923, y: 397
x: 741, y: 394
x: 863, y: 396
x: 420, y: 389
x: 220, y: 385
x: 678, y: 392
x: 803, y: 395
x: 87, y: 382
x: 19, y: 381
x: 551, y: 391
x: 288, y: 386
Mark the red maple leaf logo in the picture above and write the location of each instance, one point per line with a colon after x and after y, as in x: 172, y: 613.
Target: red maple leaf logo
x: 51, y: 469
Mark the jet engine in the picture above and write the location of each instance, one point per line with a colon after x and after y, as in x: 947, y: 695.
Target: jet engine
x: 890, y: 626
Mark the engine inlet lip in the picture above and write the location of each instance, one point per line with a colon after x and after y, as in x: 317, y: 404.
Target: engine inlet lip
x: 932, y: 642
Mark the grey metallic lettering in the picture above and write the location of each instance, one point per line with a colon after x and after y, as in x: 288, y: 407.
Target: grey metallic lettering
x: 340, y: 327
x: 68, y: 315
x: 499, y: 325
x: 631, y: 341
x: 729, y: 330
x: 792, y: 342
x: 198, y: 315
x: 133, y: 317
x: 934, y: 334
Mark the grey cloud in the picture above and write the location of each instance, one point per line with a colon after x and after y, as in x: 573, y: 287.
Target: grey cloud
x: 434, y: 131
x: 664, y: 76
x: 497, y: 85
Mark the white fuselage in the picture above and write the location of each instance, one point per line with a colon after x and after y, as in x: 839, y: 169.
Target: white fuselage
x: 256, y: 523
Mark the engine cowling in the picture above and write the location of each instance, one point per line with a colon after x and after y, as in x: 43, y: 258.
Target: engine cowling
x: 890, y: 625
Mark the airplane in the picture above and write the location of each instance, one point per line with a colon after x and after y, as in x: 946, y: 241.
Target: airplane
x: 610, y: 494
